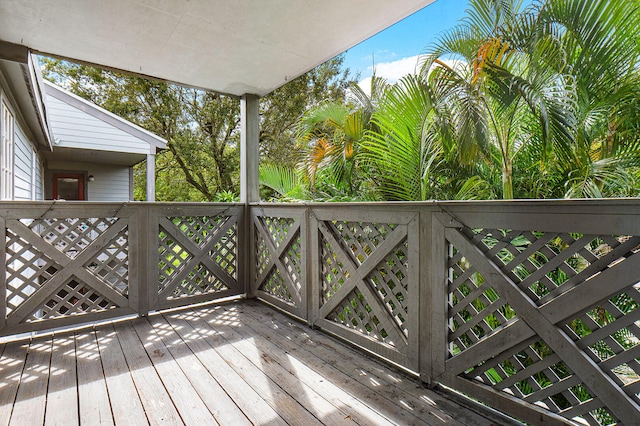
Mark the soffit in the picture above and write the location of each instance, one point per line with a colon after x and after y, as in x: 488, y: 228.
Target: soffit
x: 228, y: 46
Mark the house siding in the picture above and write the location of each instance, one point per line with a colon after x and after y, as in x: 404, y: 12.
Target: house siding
x: 111, y: 182
x: 74, y: 128
x: 39, y: 175
x: 23, y: 176
x: 27, y: 182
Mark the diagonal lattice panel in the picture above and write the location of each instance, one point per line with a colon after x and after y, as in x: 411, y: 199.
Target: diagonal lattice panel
x: 199, y: 229
x: 111, y: 264
x: 334, y: 274
x: 610, y: 334
x: 475, y: 308
x: 390, y: 282
x: 27, y: 270
x: 262, y: 254
x: 532, y: 372
x: 69, y: 235
x: 172, y: 258
x: 550, y: 372
x: 224, y: 252
x: 199, y: 281
x: 74, y: 298
x: 355, y: 312
x: 545, y: 265
x: 197, y: 256
x: 360, y: 239
x: 276, y: 227
x: 274, y: 285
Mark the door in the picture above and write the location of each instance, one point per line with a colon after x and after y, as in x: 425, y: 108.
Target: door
x: 68, y: 186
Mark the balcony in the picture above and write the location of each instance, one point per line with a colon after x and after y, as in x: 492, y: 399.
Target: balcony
x: 530, y: 307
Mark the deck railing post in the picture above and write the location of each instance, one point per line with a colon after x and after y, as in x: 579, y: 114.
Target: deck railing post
x: 247, y: 251
x: 313, y: 267
x: 3, y: 274
x: 433, y: 312
x: 138, y: 266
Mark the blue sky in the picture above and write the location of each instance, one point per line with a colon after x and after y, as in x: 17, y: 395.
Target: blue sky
x: 395, y: 49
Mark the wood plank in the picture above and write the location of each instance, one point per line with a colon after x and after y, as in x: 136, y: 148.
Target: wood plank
x: 358, y: 374
x: 619, y: 403
x: 62, y: 394
x: 93, y: 399
x: 286, y: 376
x: 223, y: 408
x: 153, y: 395
x: 362, y: 403
x: 11, y: 365
x: 192, y: 409
x: 29, y: 407
x: 125, y: 403
x: 247, y: 399
x: 271, y: 392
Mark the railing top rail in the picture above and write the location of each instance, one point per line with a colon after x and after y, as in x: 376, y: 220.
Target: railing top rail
x: 464, y: 203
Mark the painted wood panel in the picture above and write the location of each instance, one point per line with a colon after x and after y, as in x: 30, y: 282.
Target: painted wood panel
x: 73, y: 128
x: 111, y: 182
x: 23, y: 175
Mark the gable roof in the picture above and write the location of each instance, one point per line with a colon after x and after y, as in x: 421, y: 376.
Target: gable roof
x: 233, y: 47
x: 101, y: 114
x: 24, y: 85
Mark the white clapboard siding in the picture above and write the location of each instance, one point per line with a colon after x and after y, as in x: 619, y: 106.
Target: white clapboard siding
x: 111, y: 183
x: 74, y: 128
x: 39, y: 175
x: 23, y: 175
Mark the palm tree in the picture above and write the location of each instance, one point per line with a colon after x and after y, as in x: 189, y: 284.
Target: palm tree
x: 405, y: 146
x: 331, y: 134
x: 506, y: 83
x: 599, y: 40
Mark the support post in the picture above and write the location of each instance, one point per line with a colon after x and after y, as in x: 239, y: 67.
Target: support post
x: 249, y: 192
x: 151, y: 177
x: 249, y: 152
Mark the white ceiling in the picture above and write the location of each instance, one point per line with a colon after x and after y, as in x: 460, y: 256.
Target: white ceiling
x: 228, y: 46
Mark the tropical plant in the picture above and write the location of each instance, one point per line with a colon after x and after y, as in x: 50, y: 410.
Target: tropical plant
x: 505, y: 87
x: 406, y: 144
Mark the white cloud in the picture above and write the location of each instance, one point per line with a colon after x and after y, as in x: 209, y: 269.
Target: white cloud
x: 391, y: 71
x: 395, y: 70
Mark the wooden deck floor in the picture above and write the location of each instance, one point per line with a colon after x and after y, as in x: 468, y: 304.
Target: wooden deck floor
x: 232, y: 364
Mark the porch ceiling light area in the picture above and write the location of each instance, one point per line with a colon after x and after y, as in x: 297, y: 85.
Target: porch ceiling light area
x: 232, y: 47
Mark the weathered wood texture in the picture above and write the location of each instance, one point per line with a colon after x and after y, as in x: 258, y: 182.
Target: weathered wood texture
x: 68, y: 263
x: 532, y: 307
x: 542, y: 308
x: 231, y: 364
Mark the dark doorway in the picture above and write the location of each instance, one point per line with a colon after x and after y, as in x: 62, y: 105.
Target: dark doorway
x: 68, y: 186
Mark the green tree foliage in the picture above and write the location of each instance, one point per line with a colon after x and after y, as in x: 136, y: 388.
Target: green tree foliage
x: 514, y: 102
x: 202, y: 157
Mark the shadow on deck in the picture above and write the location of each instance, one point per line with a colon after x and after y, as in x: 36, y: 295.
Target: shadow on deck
x: 232, y: 364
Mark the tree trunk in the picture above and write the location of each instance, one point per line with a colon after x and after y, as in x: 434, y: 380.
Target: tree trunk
x: 507, y: 178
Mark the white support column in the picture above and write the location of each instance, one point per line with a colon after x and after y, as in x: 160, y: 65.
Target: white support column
x: 151, y: 177
x: 249, y: 153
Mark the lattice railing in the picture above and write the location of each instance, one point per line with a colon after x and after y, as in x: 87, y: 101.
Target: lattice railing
x: 279, y: 268
x: 69, y: 263
x: 65, y: 270
x: 545, y: 317
x: 197, y: 257
x: 368, y: 286
x: 528, y: 306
